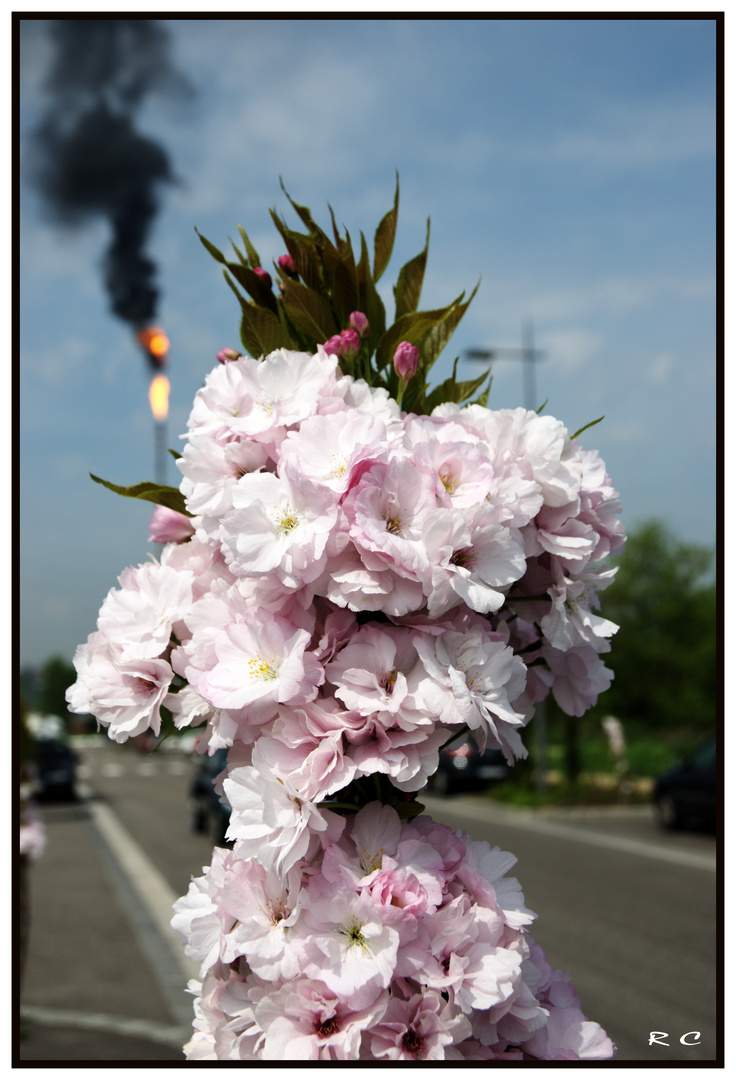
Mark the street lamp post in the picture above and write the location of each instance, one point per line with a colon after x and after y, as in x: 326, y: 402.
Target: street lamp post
x: 529, y: 357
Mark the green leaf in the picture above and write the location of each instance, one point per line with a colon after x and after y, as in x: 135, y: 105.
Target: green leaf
x: 343, y: 247
x: 239, y: 253
x: 342, y: 243
x: 331, y: 256
x: 465, y: 390
x: 370, y: 302
x: 586, y: 426
x: 482, y: 399
x: 261, y: 332
x: 414, y: 399
x: 458, y: 392
x: 304, y: 252
x: 309, y: 311
x: 346, y: 290
x: 408, y: 810
x: 446, y: 391
x: 411, y: 327
x: 543, y: 406
x: 160, y: 494
x: 383, y: 242
x: 335, y: 230
x: 175, y: 454
x: 301, y: 341
x: 214, y: 252
x: 306, y: 215
x: 254, y: 285
x: 241, y: 299
x: 408, y: 287
x: 438, y: 335
x: 253, y: 257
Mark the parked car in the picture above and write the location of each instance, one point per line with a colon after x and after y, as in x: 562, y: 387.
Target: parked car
x: 463, y: 767
x: 55, y: 770
x: 209, y: 812
x: 685, y: 795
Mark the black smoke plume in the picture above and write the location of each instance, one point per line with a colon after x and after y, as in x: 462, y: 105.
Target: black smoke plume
x: 86, y: 157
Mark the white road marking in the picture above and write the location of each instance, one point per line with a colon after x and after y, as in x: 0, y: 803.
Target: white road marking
x: 168, y: 1034
x: 149, y: 884
x: 112, y: 769
x: 695, y: 860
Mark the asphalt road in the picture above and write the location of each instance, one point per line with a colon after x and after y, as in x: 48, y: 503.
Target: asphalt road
x: 629, y: 911
x: 635, y: 930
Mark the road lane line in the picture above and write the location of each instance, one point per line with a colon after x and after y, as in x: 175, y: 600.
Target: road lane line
x: 154, y: 891
x: 489, y: 816
x: 112, y: 769
x: 148, y: 899
x: 167, y: 1034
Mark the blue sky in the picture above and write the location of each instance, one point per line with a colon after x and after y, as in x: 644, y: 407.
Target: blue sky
x: 569, y: 164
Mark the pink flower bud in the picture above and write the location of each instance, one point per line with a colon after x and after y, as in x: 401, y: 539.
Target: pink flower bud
x: 359, y: 323
x: 263, y: 275
x: 286, y: 263
x: 345, y: 344
x: 169, y: 526
x: 350, y: 342
x: 406, y: 360
x: 332, y: 345
x: 226, y: 355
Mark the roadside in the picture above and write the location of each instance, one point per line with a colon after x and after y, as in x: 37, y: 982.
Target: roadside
x: 101, y: 982
x: 95, y: 981
x: 625, y: 828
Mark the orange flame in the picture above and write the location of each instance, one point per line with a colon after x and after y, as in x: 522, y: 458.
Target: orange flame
x: 155, y: 341
x: 158, y: 395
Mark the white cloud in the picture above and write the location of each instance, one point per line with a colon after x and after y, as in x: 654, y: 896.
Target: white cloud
x: 659, y: 368
x: 622, y: 136
x: 334, y: 108
x: 70, y: 466
x: 641, y: 135
x: 626, y: 432
x: 305, y: 125
x: 54, y: 367
x: 571, y: 347
x: 618, y: 295
x: 51, y: 251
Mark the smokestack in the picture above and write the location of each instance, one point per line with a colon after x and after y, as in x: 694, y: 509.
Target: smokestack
x: 86, y: 156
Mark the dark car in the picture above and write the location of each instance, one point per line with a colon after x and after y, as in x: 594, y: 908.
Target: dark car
x: 56, y: 770
x: 463, y: 767
x: 208, y: 812
x: 685, y: 795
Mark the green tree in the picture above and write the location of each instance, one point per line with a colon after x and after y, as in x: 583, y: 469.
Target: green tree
x: 665, y: 655
x: 57, y: 675
x: 28, y: 679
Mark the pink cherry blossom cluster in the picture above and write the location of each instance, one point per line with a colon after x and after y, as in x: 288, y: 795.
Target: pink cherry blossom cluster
x: 354, y: 588
x: 387, y: 940
x: 356, y: 582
